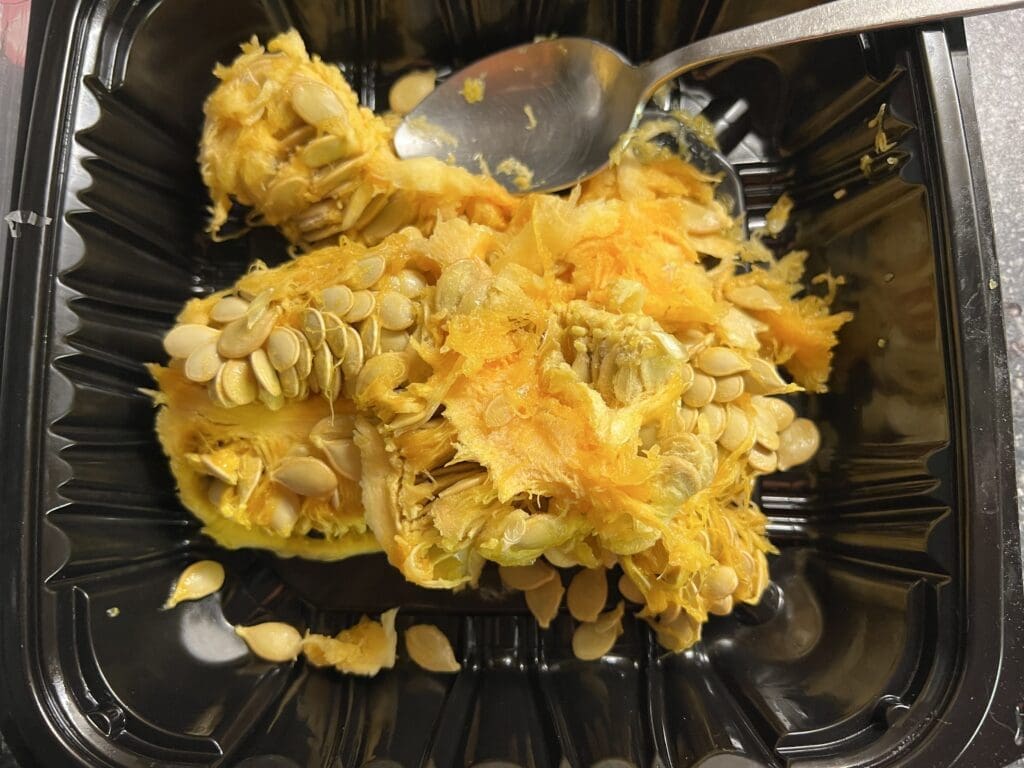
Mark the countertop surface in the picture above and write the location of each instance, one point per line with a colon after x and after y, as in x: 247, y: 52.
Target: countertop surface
x: 998, y: 80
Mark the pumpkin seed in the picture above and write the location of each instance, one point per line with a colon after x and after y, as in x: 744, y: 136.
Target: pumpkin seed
x: 629, y: 590
x: 721, y: 361
x: 543, y: 601
x: 428, y: 646
x: 711, y: 421
x: 211, y: 467
x: 334, y: 335
x: 289, y: 379
x: 298, y: 137
x: 282, y: 349
x: 238, y: 382
x: 324, y: 150
x: 182, y: 340
x: 313, y: 328
x: 257, y: 307
x: 798, y: 443
x: 611, y: 619
x: 283, y: 195
x: 688, y: 417
x: 228, y: 308
x: 526, y: 577
x: 410, y: 89
x: 356, y: 204
x: 393, y: 341
x: 337, y: 299
x: 329, y: 180
x: 215, y: 391
x: 752, y: 297
x: 198, y: 580
x: 304, y: 364
x: 369, y: 333
x: 782, y: 411
x: 250, y: 471
x: 323, y: 370
x: 239, y: 340
x: 343, y: 456
x: 314, y: 102
x: 354, y: 357
x: 721, y: 607
x: 763, y: 460
x: 305, y: 476
x: 499, y: 412
x: 340, y: 425
x: 396, y: 311
x: 411, y: 283
x: 679, y: 633
x: 363, y: 303
x: 204, y: 362
x: 737, y: 428
x: 763, y: 378
x: 272, y: 641
x: 265, y: 374
x: 217, y: 492
x: 728, y: 388
x: 587, y: 594
x: 721, y: 581
x: 284, y: 512
x: 701, y: 391
x: 589, y: 643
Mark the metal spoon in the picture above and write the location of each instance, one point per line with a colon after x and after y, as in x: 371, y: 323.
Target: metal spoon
x: 560, y: 106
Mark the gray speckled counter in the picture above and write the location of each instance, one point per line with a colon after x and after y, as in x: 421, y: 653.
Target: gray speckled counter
x: 997, y: 71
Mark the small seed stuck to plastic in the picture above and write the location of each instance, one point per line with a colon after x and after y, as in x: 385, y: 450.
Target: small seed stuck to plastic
x: 272, y: 641
x: 526, y: 577
x: 197, y: 581
x: 428, y: 646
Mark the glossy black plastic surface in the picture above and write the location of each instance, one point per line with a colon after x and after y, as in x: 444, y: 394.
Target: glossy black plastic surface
x: 892, y: 632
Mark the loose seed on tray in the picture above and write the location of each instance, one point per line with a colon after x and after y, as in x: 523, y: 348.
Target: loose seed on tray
x: 198, y: 580
x: 428, y: 646
x: 272, y: 641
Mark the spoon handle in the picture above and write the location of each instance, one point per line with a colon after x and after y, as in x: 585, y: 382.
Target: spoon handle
x: 830, y: 19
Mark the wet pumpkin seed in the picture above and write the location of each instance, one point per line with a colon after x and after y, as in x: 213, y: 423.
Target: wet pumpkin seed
x: 797, y: 444
x: 239, y: 340
x: 305, y: 476
x: 363, y: 303
x: 429, y: 647
x: 337, y: 299
x: 313, y: 328
x: 587, y: 594
x: 238, y: 382
x: 728, y: 388
x: 396, y: 311
x: 315, y: 102
x: 721, y: 581
x: 272, y: 641
x: 282, y: 349
x: 289, y: 379
x: 544, y: 600
x: 701, y: 391
x: 629, y: 590
x: 721, y: 361
x: 265, y: 374
x: 197, y: 581
x: 527, y: 577
x: 204, y: 362
x: 182, y: 340
x: 334, y: 335
x: 737, y: 428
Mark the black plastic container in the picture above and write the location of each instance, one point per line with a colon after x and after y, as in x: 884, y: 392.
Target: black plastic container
x: 893, y: 632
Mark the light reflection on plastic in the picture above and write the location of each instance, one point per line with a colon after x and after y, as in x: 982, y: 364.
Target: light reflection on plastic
x: 207, y: 635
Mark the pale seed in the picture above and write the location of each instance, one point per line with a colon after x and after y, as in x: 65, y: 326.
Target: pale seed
x: 238, y: 382
x: 701, y: 391
x: 354, y: 357
x: 365, y: 273
x: 197, y: 581
x: 282, y: 349
x: 711, y: 421
x: 587, y: 594
x: 763, y: 378
x: 629, y: 590
x: 324, y: 150
x: 203, y: 364
x: 798, y: 443
x: 721, y: 581
x: 721, y: 361
x: 304, y: 363
x: 314, y: 102
x: 526, y: 577
x: 343, y: 456
x: 355, y: 205
x: 498, y: 412
x: 323, y: 370
x: 313, y: 328
x: 393, y: 341
x: 688, y: 418
x: 257, y: 307
x: 369, y: 333
x: 411, y: 283
x: 721, y: 607
x: 396, y: 311
x: 227, y: 475
x: 543, y: 601
x: 737, y: 428
x: 610, y: 619
x: 334, y: 335
x: 763, y: 460
x: 305, y: 476
x: 728, y: 388
x: 590, y: 643
x: 283, y: 194
x: 272, y: 641
x: 410, y: 89
x: 265, y: 374
x: 428, y: 646
x: 751, y: 297
x: 239, y: 340
x: 337, y: 299
x: 250, y: 471
x: 782, y: 411
x: 363, y: 303
x: 182, y: 340
x: 298, y: 137
x: 289, y: 382
x: 284, y: 512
